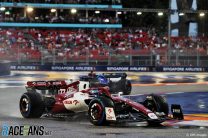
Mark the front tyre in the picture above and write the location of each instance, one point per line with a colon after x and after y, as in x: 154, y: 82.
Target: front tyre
x: 162, y: 105
x: 156, y: 103
x: 96, y: 110
x: 31, y: 105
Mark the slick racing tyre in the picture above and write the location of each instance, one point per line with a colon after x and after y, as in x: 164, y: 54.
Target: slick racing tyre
x: 31, y: 105
x: 125, y: 86
x: 156, y: 103
x: 96, y: 110
x: 162, y: 105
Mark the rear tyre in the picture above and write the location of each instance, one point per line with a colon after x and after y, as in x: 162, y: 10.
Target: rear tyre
x: 31, y: 105
x: 96, y: 110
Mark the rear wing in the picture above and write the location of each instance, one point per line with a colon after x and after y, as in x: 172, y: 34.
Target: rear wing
x: 51, y: 87
x: 46, y: 83
x: 43, y: 85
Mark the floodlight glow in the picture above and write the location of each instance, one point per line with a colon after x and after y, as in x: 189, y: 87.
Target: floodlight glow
x: 106, y: 20
x: 7, y: 13
x: 202, y: 14
x: 53, y: 10
x: 119, y: 12
x: 97, y: 12
x: 181, y: 14
x: 139, y: 13
x: 160, y: 14
x: 29, y: 9
x: 2, y: 9
x: 73, y: 11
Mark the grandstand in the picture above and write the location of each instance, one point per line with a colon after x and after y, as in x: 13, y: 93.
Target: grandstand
x: 101, y: 32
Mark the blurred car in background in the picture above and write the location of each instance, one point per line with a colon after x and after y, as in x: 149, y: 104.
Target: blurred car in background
x: 117, y: 82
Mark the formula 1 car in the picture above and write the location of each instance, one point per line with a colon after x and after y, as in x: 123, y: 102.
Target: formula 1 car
x: 117, y: 82
x: 56, y: 98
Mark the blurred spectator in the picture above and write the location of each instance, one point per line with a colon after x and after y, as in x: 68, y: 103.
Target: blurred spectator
x: 52, y: 18
x: 95, y: 43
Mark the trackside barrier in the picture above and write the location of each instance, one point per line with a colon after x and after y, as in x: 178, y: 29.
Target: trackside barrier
x: 4, y: 68
x: 108, y: 68
x: 79, y: 68
x: 181, y: 69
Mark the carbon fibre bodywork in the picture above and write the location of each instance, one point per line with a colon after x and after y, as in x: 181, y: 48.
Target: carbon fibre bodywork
x: 60, y: 98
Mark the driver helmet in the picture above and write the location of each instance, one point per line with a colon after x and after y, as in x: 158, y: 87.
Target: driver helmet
x: 102, y: 79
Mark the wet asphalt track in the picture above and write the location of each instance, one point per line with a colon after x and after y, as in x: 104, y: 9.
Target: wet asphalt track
x: 79, y: 126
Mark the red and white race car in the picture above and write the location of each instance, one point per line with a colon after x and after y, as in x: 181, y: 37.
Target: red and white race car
x: 53, y: 98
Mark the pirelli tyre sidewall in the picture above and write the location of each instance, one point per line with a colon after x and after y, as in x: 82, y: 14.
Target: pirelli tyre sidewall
x: 162, y: 105
x: 99, y: 104
x: 31, y: 105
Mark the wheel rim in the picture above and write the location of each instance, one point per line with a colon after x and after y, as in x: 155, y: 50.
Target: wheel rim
x: 24, y: 105
x: 96, y: 111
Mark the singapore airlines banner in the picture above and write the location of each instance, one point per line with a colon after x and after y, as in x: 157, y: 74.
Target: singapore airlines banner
x: 109, y: 68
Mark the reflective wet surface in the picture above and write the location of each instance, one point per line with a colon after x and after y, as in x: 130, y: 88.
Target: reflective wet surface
x: 192, y: 97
